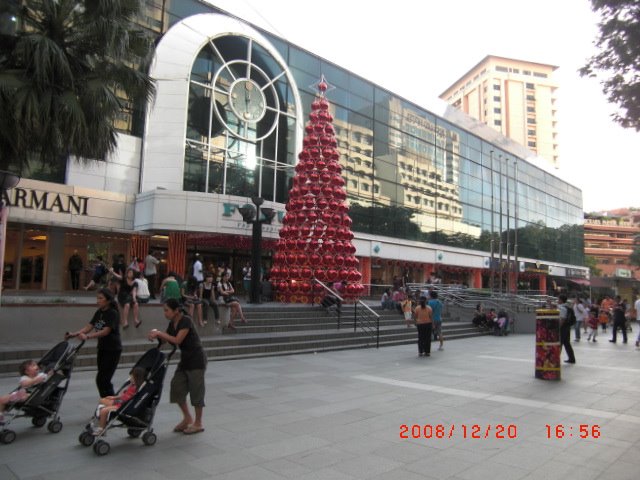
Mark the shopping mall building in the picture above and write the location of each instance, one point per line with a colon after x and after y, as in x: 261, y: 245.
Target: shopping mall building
x: 428, y: 188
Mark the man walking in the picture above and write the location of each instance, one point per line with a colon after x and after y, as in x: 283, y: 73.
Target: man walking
x: 436, y: 314
x: 565, y: 327
x: 619, y: 321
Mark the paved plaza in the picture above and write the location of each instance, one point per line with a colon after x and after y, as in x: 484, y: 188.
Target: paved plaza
x: 339, y: 416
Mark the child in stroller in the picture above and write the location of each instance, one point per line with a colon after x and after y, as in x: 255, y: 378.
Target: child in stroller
x: 30, y: 375
x: 134, y: 405
x: 113, y: 403
x: 40, y: 394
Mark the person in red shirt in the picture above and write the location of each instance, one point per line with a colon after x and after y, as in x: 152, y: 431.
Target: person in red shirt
x: 113, y: 402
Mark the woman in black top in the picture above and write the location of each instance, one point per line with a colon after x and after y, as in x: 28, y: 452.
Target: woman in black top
x: 128, y: 297
x: 189, y: 376
x: 105, y: 327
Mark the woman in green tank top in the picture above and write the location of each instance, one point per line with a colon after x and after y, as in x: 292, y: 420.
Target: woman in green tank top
x: 170, y: 288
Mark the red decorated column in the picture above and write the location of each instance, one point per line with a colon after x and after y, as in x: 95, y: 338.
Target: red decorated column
x: 316, y: 238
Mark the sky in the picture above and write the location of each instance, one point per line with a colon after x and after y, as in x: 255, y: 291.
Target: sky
x: 417, y: 49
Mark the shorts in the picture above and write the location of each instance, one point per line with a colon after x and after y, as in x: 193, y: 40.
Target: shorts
x: 437, y: 328
x: 125, y: 300
x: 189, y: 382
x: 407, y: 316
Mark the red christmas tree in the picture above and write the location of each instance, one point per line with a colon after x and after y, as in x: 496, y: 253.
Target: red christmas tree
x: 315, y: 240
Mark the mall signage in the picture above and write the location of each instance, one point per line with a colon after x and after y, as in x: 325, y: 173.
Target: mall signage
x: 46, y: 201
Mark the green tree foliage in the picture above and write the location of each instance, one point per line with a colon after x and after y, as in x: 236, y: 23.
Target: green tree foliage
x: 592, y: 263
x: 619, y: 57
x: 62, y: 75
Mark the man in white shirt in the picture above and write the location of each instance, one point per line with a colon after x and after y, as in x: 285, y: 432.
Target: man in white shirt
x: 198, y: 274
x: 150, y: 272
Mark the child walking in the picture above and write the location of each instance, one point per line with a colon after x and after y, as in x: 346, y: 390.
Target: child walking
x: 592, y: 323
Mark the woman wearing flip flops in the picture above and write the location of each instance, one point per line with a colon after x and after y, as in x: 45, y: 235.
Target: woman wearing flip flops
x: 189, y: 376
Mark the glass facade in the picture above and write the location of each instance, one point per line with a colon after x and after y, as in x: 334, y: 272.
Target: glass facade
x: 409, y: 174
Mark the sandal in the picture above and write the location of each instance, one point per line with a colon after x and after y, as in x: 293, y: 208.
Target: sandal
x: 181, y: 427
x: 138, y: 323
x: 191, y: 429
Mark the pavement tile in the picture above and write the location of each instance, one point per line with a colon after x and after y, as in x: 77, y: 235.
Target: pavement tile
x: 337, y: 416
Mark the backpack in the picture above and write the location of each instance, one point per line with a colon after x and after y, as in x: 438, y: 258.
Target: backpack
x: 571, y: 317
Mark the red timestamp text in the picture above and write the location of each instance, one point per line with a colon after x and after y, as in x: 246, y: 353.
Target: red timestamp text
x: 568, y: 431
x: 461, y: 430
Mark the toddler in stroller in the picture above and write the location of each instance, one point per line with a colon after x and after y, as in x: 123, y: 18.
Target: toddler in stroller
x: 39, y: 394
x: 114, y: 402
x: 134, y: 405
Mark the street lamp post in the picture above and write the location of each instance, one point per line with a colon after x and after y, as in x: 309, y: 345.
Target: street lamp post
x: 8, y: 180
x: 256, y: 217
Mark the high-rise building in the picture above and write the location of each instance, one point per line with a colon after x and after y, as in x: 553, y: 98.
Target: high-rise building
x: 515, y: 97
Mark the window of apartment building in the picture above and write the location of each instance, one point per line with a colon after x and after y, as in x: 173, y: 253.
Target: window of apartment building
x: 531, y: 121
x: 531, y: 109
x: 530, y: 86
x: 497, y: 122
x: 496, y: 99
x: 497, y: 110
x: 531, y: 132
x: 514, y: 70
x: 531, y: 97
x: 531, y: 144
x: 496, y: 87
x: 501, y: 69
x: 540, y: 74
x: 526, y: 72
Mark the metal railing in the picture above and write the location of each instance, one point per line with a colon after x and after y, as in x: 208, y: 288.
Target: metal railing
x: 363, y: 316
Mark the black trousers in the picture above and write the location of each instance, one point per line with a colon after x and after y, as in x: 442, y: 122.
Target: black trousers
x: 107, y: 364
x: 565, y: 341
x: 75, y: 279
x: 622, y: 325
x: 151, y: 281
x: 424, y: 337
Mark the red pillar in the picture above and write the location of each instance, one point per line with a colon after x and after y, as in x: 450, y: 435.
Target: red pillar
x: 365, y: 269
x: 476, y: 278
x: 427, y: 268
x: 542, y: 280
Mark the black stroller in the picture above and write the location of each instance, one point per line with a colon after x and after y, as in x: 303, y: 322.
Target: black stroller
x: 44, y: 400
x: 136, y: 414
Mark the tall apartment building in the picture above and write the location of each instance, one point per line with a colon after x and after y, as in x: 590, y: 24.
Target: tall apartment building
x: 515, y: 97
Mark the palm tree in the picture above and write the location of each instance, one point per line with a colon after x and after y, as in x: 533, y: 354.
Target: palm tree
x: 62, y: 76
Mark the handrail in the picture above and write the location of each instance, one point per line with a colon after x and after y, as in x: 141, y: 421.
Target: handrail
x: 368, y: 320
x: 334, y: 294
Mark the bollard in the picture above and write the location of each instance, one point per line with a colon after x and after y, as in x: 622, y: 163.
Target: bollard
x: 548, y: 344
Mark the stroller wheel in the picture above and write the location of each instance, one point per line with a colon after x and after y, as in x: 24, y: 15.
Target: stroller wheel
x: 54, y: 426
x: 149, y: 439
x: 86, y: 439
x: 7, y: 436
x: 101, y: 448
x: 133, y: 433
x: 39, y: 421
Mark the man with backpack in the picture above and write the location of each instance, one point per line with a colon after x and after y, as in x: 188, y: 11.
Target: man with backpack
x: 567, y: 320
